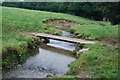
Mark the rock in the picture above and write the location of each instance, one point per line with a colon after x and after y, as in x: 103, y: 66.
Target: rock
x: 44, y: 68
x: 42, y: 40
x: 55, y: 33
x: 33, y: 46
x: 84, y: 50
x: 81, y: 51
x: 19, y: 65
x: 40, y: 69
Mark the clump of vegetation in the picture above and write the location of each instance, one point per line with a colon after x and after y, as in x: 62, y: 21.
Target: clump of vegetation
x: 59, y: 32
x: 100, y: 61
x: 49, y: 75
x: 75, y: 51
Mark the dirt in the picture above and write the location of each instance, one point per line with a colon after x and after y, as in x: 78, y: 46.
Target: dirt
x: 61, y: 23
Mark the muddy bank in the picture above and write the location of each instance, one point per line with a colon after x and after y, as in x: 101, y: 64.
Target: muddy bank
x: 61, y: 23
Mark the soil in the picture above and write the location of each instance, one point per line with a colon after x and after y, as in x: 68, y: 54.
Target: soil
x: 61, y: 23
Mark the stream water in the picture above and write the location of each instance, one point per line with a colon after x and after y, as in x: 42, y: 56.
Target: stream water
x: 51, y: 58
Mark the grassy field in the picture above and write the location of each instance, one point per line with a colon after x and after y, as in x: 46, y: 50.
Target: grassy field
x: 31, y: 20
x: 100, y: 61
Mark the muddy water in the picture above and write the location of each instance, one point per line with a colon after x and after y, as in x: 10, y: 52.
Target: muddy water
x: 52, y: 58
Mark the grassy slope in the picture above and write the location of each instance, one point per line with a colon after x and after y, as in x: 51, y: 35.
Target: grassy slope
x: 96, y: 32
x: 99, y: 62
x: 22, y: 20
x: 32, y: 20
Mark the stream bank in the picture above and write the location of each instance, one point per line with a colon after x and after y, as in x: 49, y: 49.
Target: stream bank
x: 94, y: 63
x: 51, y: 58
x: 99, y: 61
x: 23, y: 50
x: 16, y: 53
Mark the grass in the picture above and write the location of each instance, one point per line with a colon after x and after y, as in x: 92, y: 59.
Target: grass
x: 97, y: 32
x: 100, y: 61
x: 15, y: 50
x: 32, y: 20
x: 68, y: 76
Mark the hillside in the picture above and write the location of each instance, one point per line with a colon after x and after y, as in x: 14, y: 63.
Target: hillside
x: 15, y: 45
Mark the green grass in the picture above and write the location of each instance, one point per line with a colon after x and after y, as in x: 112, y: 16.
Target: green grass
x: 68, y: 76
x: 97, y: 32
x: 15, y: 49
x: 32, y: 20
x: 100, y: 61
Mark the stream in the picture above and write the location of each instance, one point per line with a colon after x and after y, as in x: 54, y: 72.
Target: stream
x: 51, y: 58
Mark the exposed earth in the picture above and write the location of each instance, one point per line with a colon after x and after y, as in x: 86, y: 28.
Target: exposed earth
x: 61, y: 23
